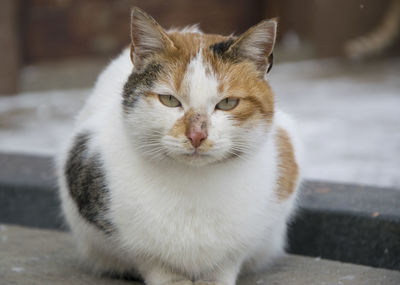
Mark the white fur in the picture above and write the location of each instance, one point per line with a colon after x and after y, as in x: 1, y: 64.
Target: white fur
x: 193, y: 29
x: 201, y: 86
x: 175, y: 221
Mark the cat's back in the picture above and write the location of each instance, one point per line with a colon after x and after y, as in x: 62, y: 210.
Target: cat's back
x: 106, y: 95
x: 287, y: 127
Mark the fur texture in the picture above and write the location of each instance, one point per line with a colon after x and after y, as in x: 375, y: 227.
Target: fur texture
x: 141, y: 197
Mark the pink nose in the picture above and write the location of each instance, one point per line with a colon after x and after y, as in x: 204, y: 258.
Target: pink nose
x: 196, y: 137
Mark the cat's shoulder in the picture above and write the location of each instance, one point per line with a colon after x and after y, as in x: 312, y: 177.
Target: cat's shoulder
x: 106, y: 94
x: 287, y: 133
x: 114, y: 76
x: 283, y: 120
x: 120, y: 65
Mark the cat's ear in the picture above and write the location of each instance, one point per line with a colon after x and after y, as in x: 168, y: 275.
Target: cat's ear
x: 148, y: 37
x: 256, y: 44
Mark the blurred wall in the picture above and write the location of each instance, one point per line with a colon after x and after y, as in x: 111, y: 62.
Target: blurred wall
x: 10, y: 56
x: 33, y: 31
x: 55, y: 29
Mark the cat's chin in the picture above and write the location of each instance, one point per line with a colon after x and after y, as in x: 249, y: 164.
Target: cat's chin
x: 194, y: 159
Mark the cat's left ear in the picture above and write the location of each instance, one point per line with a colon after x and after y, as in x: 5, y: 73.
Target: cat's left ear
x: 257, y: 44
x: 148, y: 37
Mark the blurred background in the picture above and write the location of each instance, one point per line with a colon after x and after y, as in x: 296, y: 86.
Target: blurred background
x: 337, y: 70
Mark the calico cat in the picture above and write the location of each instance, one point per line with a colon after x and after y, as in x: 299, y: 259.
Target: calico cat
x: 180, y: 168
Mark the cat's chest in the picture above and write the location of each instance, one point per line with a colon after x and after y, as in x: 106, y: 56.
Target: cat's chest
x: 185, y: 215
x: 186, y: 218
x: 198, y: 210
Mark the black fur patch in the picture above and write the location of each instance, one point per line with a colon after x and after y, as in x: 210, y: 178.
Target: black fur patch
x: 87, y: 184
x: 222, y: 47
x: 270, y: 61
x: 137, y: 81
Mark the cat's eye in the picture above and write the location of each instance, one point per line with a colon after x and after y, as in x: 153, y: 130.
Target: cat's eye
x: 169, y: 101
x: 227, y: 104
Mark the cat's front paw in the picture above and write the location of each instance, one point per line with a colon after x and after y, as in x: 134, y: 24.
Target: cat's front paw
x: 201, y: 282
x: 181, y: 282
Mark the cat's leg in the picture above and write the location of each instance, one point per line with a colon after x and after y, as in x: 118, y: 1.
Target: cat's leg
x: 225, y: 275
x: 272, y: 248
x: 154, y: 273
x: 102, y: 260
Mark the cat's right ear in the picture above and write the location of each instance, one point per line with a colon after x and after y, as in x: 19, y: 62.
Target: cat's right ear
x: 256, y: 44
x: 147, y: 36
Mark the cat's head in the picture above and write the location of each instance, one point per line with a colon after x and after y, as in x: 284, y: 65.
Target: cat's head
x: 198, y: 98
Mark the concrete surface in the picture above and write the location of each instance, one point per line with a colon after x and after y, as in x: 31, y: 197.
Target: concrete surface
x: 31, y: 256
x: 347, y: 114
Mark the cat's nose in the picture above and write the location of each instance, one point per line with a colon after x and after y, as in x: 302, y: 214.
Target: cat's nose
x: 196, y: 127
x: 196, y: 137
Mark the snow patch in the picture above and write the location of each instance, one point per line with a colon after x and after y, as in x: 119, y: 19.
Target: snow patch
x: 18, y: 269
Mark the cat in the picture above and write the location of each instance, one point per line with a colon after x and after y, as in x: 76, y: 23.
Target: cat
x: 180, y: 168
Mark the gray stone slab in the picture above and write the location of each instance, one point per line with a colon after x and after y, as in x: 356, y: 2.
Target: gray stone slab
x: 20, y: 170
x: 351, y: 223
x: 32, y: 256
x: 28, y: 191
x: 364, y: 200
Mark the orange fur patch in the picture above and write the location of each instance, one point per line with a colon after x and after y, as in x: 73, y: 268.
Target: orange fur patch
x: 241, y: 81
x: 206, y: 145
x: 288, y: 169
x: 150, y: 97
x: 179, y: 128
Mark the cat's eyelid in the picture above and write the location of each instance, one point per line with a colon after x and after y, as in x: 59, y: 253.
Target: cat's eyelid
x: 163, y: 90
x: 230, y: 97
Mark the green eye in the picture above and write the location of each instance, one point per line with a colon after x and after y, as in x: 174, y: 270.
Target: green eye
x: 169, y: 101
x: 227, y: 104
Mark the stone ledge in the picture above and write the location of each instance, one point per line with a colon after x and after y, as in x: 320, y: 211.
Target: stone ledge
x: 32, y: 256
x: 350, y: 223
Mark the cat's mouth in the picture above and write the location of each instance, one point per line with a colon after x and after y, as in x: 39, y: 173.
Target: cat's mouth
x: 195, y: 158
x: 196, y: 154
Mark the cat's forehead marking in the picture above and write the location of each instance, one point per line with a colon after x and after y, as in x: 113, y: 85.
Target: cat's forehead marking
x: 201, y: 82
x: 194, y: 63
